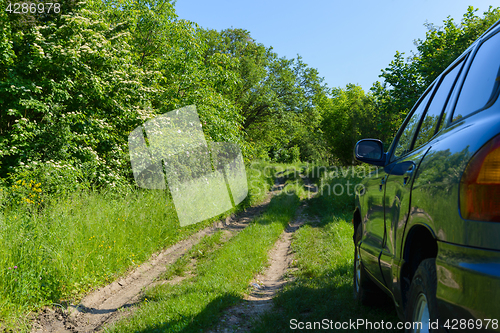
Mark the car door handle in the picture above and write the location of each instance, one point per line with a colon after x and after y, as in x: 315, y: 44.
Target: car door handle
x: 408, y: 175
x: 382, y: 183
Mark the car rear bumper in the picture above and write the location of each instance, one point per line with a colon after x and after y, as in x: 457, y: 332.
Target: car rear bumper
x: 468, y: 287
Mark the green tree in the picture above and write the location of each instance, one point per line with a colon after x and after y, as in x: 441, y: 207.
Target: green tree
x: 70, y: 92
x: 276, y: 97
x: 349, y: 117
x: 73, y: 89
x: 284, y: 106
x: 404, y: 80
x: 444, y: 44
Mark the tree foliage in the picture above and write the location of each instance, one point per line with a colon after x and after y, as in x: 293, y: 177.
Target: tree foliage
x: 75, y: 84
x: 69, y: 92
x: 350, y: 117
x: 404, y: 80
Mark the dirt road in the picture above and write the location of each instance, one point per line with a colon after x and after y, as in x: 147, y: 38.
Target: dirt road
x: 117, y: 300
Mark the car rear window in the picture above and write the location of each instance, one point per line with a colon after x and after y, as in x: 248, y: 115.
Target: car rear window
x: 429, y: 126
x: 481, y: 86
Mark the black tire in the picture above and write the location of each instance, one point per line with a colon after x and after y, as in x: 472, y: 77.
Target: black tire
x: 365, y: 290
x: 422, y: 303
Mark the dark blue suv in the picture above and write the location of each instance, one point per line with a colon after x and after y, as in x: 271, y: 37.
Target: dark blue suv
x: 427, y: 222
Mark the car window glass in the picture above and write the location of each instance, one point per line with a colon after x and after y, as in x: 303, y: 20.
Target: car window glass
x: 428, y: 126
x: 482, y: 82
x: 404, y: 143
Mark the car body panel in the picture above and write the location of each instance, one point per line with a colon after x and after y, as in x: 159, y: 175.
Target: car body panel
x: 436, y: 186
x: 426, y: 201
x: 464, y: 276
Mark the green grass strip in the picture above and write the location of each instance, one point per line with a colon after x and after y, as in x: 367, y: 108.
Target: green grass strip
x: 220, y: 280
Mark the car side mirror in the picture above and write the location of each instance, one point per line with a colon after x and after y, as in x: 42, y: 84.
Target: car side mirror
x: 370, y: 151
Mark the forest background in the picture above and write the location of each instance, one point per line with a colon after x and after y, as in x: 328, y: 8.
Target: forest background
x: 74, y: 84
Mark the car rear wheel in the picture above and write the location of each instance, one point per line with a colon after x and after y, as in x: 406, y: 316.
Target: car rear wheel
x: 365, y: 290
x: 421, y: 310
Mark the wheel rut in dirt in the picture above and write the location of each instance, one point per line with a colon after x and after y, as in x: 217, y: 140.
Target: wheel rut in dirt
x: 112, y: 302
x: 265, y: 286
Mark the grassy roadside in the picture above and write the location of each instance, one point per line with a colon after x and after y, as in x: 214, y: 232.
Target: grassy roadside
x: 85, y: 239
x: 221, y: 276
x: 322, y: 286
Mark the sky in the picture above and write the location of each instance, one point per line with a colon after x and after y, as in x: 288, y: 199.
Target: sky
x: 346, y: 41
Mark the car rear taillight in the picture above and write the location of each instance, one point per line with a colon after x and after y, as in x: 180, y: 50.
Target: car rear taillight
x: 480, y: 185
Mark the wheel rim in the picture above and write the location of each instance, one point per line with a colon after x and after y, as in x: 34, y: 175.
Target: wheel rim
x: 358, y: 270
x: 421, y: 315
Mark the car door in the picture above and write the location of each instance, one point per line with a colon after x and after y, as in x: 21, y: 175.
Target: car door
x: 402, y: 163
x: 413, y: 144
x: 373, y: 221
x: 376, y: 198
